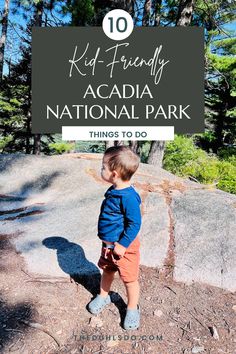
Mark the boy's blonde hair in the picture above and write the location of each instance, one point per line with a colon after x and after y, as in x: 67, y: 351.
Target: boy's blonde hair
x: 123, y: 160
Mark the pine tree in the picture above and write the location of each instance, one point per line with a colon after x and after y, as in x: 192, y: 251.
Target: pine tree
x: 15, y: 98
x: 221, y: 90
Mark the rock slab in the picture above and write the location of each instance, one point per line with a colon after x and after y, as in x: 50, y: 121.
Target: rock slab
x: 50, y: 205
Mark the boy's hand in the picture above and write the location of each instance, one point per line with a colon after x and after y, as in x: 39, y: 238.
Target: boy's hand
x: 119, y: 249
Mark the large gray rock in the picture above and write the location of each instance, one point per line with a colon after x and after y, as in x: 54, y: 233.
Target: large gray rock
x: 50, y: 206
x: 205, y: 236
x: 155, y: 231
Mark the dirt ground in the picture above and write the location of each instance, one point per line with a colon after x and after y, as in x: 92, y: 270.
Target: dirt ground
x: 49, y: 315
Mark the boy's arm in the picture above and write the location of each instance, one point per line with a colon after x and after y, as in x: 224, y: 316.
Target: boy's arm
x: 132, y: 220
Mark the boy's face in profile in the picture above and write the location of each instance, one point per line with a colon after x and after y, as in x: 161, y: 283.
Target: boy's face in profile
x: 106, y: 174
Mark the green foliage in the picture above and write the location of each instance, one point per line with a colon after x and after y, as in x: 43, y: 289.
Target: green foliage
x: 227, y: 173
x: 97, y: 148
x: 81, y: 11
x: 179, y: 152
x: 13, y: 119
x: 144, y: 150
x: 213, y: 14
x: 184, y: 159
x: 223, y: 64
x: 60, y: 147
x: 227, y: 45
x: 205, y: 140
x: 4, y: 141
x: 228, y: 154
x: 90, y: 146
x: 204, y: 169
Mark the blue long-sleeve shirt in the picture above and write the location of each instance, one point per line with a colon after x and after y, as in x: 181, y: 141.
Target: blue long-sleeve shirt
x: 120, y: 216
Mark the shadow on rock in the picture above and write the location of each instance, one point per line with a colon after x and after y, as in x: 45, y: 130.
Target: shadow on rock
x: 39, y: 184
x: 71, y: 259
x: 8, y: 160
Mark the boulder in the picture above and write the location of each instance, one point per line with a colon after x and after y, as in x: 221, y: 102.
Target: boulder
x: 49, y: 208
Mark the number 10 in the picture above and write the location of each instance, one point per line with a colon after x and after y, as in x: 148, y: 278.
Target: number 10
x: 119, y: 22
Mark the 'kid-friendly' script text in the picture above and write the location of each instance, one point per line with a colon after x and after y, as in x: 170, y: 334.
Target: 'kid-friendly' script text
x: 84, y: 64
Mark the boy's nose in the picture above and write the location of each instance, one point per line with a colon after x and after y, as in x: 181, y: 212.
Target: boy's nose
x: 106, y: 252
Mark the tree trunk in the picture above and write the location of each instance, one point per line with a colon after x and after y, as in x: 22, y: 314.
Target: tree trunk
x: 220, y: 121
x: 130, y: 7
x: 156, y: 153
x: 134, y: 146
x: 3, y: 35
x: 110, y: 143
x: 157, y: 12
x: 38, y: 19
x: 37, y: 144
x: 146, y: 12
x: 28, y: 132
x: 118, y: 142
x: 185, y: 13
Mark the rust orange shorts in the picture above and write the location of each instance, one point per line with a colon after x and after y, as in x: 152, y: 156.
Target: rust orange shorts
x: 127, y: 266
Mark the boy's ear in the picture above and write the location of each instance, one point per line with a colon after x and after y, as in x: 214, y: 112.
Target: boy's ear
x: 115, y: 174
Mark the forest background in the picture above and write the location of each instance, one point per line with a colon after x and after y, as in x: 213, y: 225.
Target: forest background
x: 205, y: 158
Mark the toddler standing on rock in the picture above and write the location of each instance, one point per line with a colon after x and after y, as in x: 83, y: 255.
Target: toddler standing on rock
x: 118, y: 226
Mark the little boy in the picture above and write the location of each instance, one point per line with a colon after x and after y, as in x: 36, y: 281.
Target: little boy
x: 118, y: 226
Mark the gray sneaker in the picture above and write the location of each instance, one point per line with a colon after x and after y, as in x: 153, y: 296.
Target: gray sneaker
x: 97, y: 304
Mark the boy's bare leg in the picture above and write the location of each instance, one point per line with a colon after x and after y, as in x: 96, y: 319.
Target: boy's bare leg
x: 106, y: 281
x: 132, y: 289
